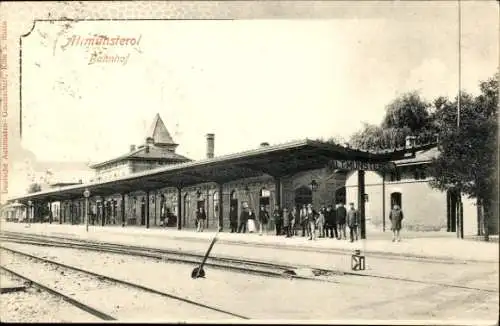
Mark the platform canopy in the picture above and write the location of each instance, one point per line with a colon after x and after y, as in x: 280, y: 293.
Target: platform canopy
x: 277, y: 160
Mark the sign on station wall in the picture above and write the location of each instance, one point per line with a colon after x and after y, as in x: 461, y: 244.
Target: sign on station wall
x: 358, y: 165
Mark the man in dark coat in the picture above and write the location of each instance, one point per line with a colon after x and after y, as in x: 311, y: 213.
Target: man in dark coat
x: 341, y: 214
x: 243, y: 219
x: 233, y: 219
x: 353, y: 222
x: 201, y: 216
x: 331, y: 222
x: 278, y: 219
x: 263, y: 219
x: 396, y: 216
x: 303, y: 220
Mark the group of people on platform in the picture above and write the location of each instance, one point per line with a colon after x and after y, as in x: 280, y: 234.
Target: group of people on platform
x: 327, y: 221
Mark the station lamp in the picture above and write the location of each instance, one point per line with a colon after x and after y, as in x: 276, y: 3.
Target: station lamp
x: 29, y: 212
x: 86, y: 194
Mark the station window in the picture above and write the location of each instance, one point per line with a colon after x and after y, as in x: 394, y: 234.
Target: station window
x: 420, y: 173
x: 395, y: 175
x: 264, y: 197
x: 216, y: 204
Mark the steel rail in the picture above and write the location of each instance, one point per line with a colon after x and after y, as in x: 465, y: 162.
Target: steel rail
x: 123, y: 282
x: 266, y: 269
x: 249, y: 262
x: 132, y: 252
x: 85, y: 307
x: 163, y: 251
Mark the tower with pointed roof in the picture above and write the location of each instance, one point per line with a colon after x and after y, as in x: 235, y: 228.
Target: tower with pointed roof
x: 159, y: 134
x: 158, y: 150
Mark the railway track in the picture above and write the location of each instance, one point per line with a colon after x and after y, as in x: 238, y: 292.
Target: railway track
x: 102, y: 278
x: 224, y: 263
x: 79, y: 304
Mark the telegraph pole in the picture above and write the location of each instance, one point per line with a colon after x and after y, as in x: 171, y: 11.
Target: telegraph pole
x: 460, y: 216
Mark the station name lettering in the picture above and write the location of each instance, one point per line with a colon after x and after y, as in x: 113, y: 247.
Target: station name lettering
x: 357, y: 165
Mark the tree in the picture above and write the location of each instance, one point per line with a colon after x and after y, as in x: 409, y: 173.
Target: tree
x: 335, y: 139
x: 407, y: 115
x: 34, y: 187
x: 409, y: 111
x: 373, y: 137
x: 468, y: 153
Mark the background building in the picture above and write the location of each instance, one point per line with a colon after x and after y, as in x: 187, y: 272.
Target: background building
x: 407, y: 185
x: 157, y: 150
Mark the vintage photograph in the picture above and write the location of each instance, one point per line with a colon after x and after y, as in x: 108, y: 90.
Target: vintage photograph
x: 331, y: 162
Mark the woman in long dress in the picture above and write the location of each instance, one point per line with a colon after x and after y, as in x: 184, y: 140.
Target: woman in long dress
x: 251, y: 221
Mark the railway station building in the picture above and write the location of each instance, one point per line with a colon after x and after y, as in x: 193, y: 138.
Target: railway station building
x: 152, y: 181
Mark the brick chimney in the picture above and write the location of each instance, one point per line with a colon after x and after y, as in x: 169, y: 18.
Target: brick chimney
x: 132, y: 148
x: 210, y: 145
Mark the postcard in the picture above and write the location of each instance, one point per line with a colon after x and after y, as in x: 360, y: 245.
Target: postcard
x: 326, y: 162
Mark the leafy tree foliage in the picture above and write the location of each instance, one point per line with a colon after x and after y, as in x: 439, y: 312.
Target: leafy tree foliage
x: 409, y: 111
x: 34, y: 187
x: 407, y: 115
x: 373, y: 137
x: 468, y: 152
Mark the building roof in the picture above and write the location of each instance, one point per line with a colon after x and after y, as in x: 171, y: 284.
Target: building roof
x: 276, y: 160
x: 146, y: 153
x: 63, y: 184
x: 419, y: 157
x: 159, y: 132
x: 161, y: 149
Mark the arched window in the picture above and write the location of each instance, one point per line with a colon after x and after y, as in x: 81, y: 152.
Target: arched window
x: 340, y: 195
x: 264, y: 197
x: 419, y: 173
x: 303, y: 196
x: 233, y: 203
x: 163, y: 206
x: 187, y: 209
x: 396, y: 199
x: 395, y: 175
x: 216, y: 205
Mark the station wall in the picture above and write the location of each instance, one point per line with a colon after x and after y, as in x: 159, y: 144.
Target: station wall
x: 424, y: 208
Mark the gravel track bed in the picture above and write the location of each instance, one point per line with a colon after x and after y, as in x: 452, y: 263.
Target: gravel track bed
x: 443, y: 273
x: 122, y: 302
x: 264, y: 298
x: 35, y: 305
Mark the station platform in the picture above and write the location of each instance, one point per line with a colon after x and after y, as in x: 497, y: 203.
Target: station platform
x: 418, y: 245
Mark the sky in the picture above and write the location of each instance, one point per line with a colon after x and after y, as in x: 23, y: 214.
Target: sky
x: 246, y: 81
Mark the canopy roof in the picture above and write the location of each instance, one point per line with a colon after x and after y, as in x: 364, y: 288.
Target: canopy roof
x: 277, y: 161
